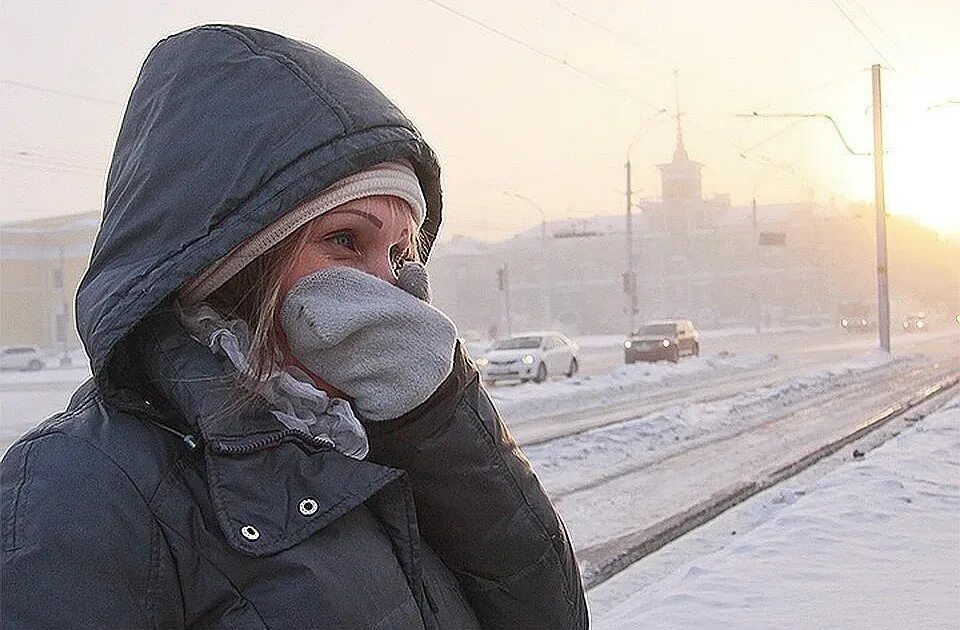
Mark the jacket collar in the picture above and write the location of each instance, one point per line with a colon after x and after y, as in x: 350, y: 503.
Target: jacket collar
x: 271, y: 486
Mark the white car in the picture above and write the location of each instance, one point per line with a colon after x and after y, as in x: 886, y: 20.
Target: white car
x: 533, y: 356
x: 22, y: 358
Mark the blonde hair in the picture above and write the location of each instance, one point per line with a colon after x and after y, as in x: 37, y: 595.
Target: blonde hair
x: 254, y: 295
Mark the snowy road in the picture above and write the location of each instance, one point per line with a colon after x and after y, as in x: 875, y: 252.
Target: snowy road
x: 27, y: 398
x: 601, y: 355
x: 537, y: 413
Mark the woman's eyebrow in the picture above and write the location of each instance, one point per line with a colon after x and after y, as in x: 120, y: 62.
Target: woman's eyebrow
x: 360, y: 213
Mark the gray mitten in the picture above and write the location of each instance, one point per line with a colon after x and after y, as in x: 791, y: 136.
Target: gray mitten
x: 377, y: 343
x: 413, y: 279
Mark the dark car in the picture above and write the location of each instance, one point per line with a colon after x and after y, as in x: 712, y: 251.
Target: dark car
x: 915, y: 323
x: 666, y: 340
x: 857, y: 317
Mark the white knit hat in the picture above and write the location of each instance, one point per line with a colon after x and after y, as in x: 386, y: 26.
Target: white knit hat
x: 396, y: 179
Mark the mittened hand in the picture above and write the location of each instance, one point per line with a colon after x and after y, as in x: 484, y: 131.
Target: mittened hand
x: 413, y: 279
x: 382, y: 345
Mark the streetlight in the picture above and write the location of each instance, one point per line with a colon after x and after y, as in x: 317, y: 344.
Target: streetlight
x: 883, y: 298
x: 630, y: 279
x: 533, y: 204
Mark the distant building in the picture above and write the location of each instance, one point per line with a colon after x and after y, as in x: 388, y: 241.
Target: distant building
x: 696, y: 258
x: 41, y: 264
x: 700, y: 259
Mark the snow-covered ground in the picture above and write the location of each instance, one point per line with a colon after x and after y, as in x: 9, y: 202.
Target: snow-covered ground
x: 700, y: 425
x: 874, y: 544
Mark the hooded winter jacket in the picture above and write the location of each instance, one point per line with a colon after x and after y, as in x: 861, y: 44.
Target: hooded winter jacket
x: 145, y: 505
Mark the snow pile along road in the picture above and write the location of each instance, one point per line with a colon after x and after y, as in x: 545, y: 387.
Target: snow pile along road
x: 566, y: 464
x: 874, y: 544
x: 559, y: 396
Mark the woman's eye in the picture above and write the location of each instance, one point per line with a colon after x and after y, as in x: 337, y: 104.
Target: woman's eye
x: 344, y: 239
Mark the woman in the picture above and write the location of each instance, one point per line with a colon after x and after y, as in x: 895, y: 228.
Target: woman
x: 280, y: 432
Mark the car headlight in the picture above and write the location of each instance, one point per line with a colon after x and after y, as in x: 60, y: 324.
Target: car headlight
x: 863, y: 322
x: 527, y: 359
x: 906, y: 325
x: 666, y: 343
x: 627, y: 344
x: 844, y: 322
x: 483, y: 362
x: 919, y: 324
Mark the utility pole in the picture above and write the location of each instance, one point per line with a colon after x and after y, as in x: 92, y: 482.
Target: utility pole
x: 883, y: 295
x: 630, y: 280
x: 630, y: 277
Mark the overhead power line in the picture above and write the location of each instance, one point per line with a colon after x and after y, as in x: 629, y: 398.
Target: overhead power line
x: 862, y: 34
x: 794, y: 95
x: 606, y: 29
x: 747, y: 154
x: 659, y: 58
x: 544, y: 54
x: 876, y: 25
x: 64, y: 93
x: 51, y: 168
x: 772, y: 136
x: 42, y: 160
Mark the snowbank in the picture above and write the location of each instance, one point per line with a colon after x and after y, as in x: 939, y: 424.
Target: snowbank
x: 874, y: 544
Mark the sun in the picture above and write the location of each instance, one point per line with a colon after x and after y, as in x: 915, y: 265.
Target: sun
x: 921, y: 165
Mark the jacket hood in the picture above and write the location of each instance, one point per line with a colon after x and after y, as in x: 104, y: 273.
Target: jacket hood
x: 227, y: 129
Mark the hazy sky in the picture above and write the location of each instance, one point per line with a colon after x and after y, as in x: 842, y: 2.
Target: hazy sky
x: 506, y: 119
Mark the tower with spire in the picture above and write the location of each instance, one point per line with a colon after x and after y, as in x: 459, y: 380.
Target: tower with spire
x: 680, y: 179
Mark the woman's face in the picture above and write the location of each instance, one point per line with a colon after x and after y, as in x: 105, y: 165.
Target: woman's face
x: 372, y: 234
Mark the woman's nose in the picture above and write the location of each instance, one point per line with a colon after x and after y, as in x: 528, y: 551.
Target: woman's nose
x: 380, y: 266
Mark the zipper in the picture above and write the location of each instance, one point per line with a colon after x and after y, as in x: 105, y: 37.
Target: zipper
x: 226, y: 448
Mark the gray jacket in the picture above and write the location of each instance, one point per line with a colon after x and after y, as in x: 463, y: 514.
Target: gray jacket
x: 144, y: 505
